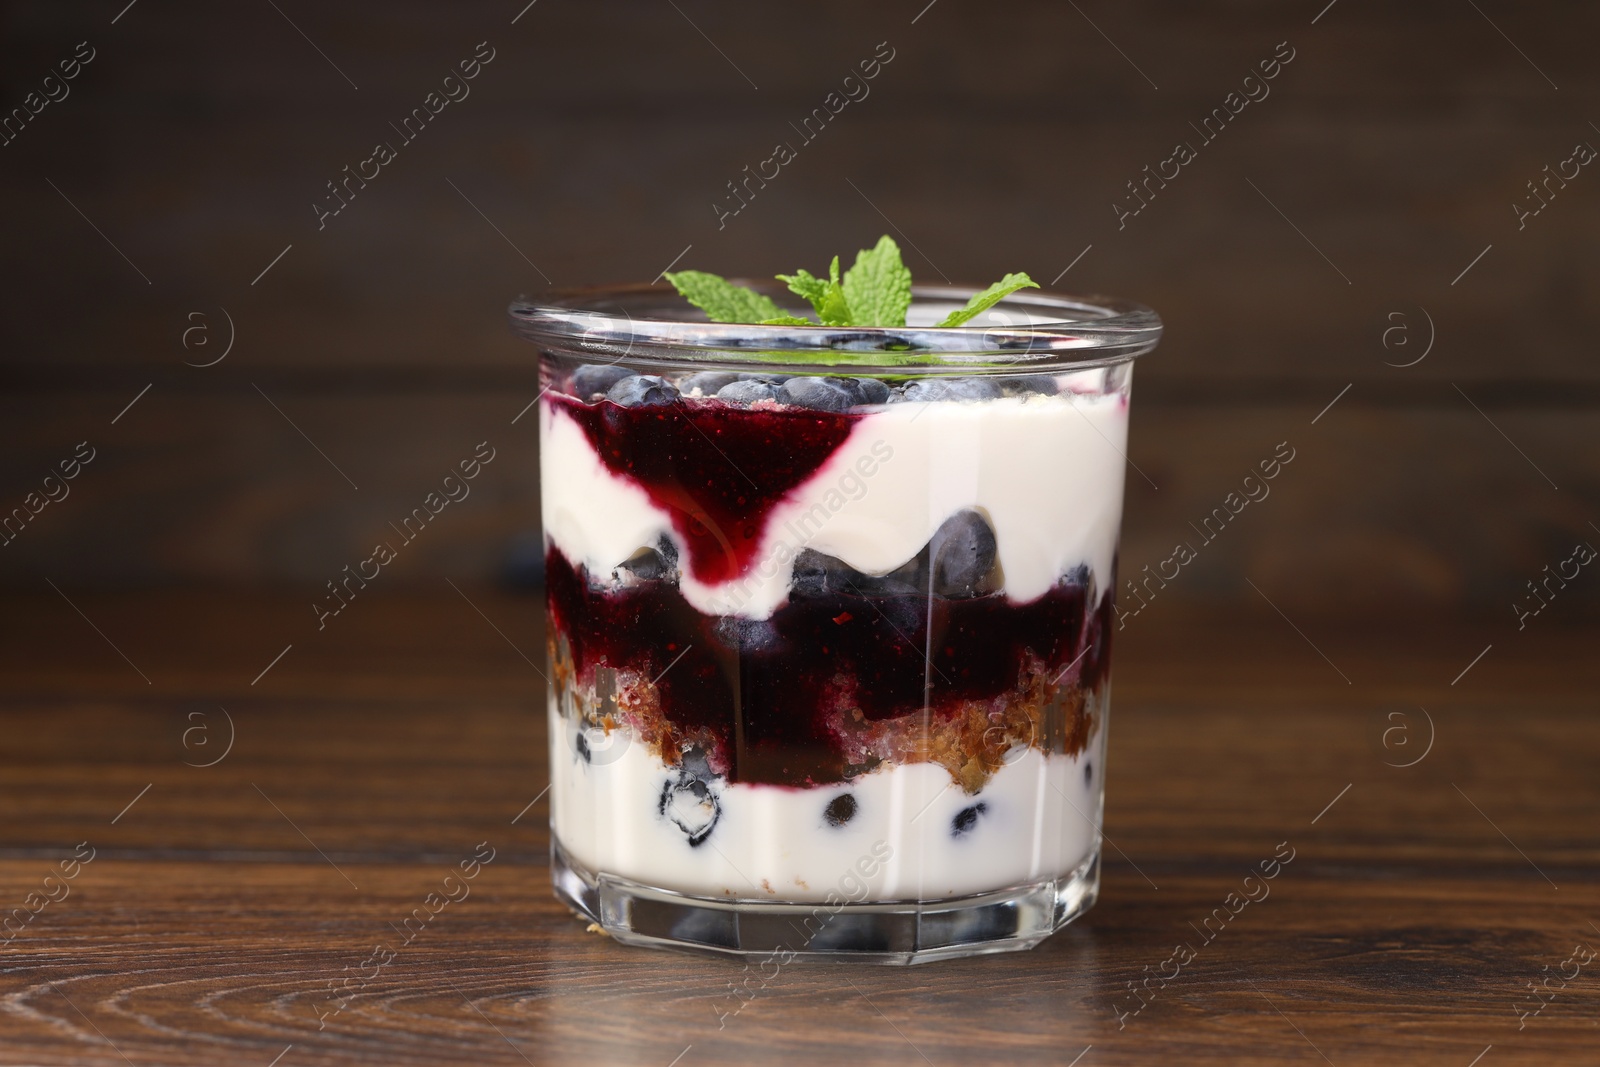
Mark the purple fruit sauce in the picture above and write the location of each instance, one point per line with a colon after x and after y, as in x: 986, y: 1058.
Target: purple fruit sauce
x: 718, y: 470
x: 767, y: 690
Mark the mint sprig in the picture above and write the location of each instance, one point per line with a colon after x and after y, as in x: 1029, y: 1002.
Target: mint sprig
x: 878, y: 286
x: 721, y: 300
x: 991, y: 296
x: 828, y: 297
x: 875, y: 291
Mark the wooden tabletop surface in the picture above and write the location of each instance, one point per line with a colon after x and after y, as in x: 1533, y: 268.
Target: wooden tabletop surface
x: 229, y: 912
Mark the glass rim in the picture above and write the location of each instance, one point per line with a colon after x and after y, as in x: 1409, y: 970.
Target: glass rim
x: 652, y: 324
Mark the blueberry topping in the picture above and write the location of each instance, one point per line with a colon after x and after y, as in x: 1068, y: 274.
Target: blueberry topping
x: 949, y: 389
x: 967, y: 818
x: 642, y: 391
x: 840, y: 810
x: 867, y: 390
x: 592, y: 378
x: 964, y: 554
x: 877, y: 341
x: 688, y: 802
x: 707, y: 382
x: 821, y: 394
x: 583, y: 747
x: 747, y: 392
x: 1088, y: 772
x: 1030, y: 384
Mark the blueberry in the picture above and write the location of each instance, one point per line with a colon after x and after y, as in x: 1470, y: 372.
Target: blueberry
x: 908, y: 579
x: 817, y: 574
x: 583, y: 747
x: 840, y: 810
x: 1088, y: 772
x: 1030, y: 384
x: 925, y: 389
x: 867, y: 390
x: 647, y: 565
x: 706, y: 382
x: 747, y: 392
x: 694, y: 763
x: 967, y: 818
x: 964, y: 552
x: 746, y: 635
x: 692, y: 808
x: 820, y: 394
x: 812, y: 571
x: 687, y: 800
x: 592, y: 378
x: 642, y: 391
x: 912, y: 575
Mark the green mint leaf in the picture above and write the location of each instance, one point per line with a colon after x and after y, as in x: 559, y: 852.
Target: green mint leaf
x: 807, y: 286
x: 721, y: 300
x: 875, y: 291
x: 878, y: 286
x: 991, y: 296
x: 828, y: 297
x: 835, y: 308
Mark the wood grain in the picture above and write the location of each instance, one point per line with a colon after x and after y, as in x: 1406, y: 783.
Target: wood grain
x: 208, y: 926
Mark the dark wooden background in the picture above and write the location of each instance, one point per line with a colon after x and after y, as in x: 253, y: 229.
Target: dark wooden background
x: 997, y: 138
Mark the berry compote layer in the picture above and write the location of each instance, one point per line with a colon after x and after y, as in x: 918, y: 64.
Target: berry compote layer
x: 794, y: 618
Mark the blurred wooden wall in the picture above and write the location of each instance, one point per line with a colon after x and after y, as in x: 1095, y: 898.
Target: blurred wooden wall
x: 1349, y: 201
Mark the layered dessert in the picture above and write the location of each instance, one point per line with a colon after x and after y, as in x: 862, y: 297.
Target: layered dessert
x: 796, y: 621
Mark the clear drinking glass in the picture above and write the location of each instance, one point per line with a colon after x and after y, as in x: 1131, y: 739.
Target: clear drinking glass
x: 830, y: 616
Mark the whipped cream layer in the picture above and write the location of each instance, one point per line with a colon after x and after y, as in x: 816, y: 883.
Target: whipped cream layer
x: 1047, y: 471
x: 1039, y: 819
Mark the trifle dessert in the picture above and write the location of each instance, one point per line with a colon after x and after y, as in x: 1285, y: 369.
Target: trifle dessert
x: 830, y: 606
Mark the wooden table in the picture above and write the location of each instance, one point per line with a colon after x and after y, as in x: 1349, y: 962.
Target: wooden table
x: 222, y: 902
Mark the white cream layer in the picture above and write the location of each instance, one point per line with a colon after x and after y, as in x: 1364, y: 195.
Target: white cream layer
x: 1040, y: 820
x: 1046, y: 470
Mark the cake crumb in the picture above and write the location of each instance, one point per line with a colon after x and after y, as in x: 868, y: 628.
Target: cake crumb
x: 596, y: 928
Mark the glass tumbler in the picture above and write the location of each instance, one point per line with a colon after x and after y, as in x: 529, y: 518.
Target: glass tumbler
x: 829, y: 618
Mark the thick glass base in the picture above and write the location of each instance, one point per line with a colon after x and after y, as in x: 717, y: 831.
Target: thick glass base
x: 1006, y: 920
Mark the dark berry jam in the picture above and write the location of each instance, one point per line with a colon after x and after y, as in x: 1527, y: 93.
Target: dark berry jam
x: 717, y: 470
x: 771, y: 692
